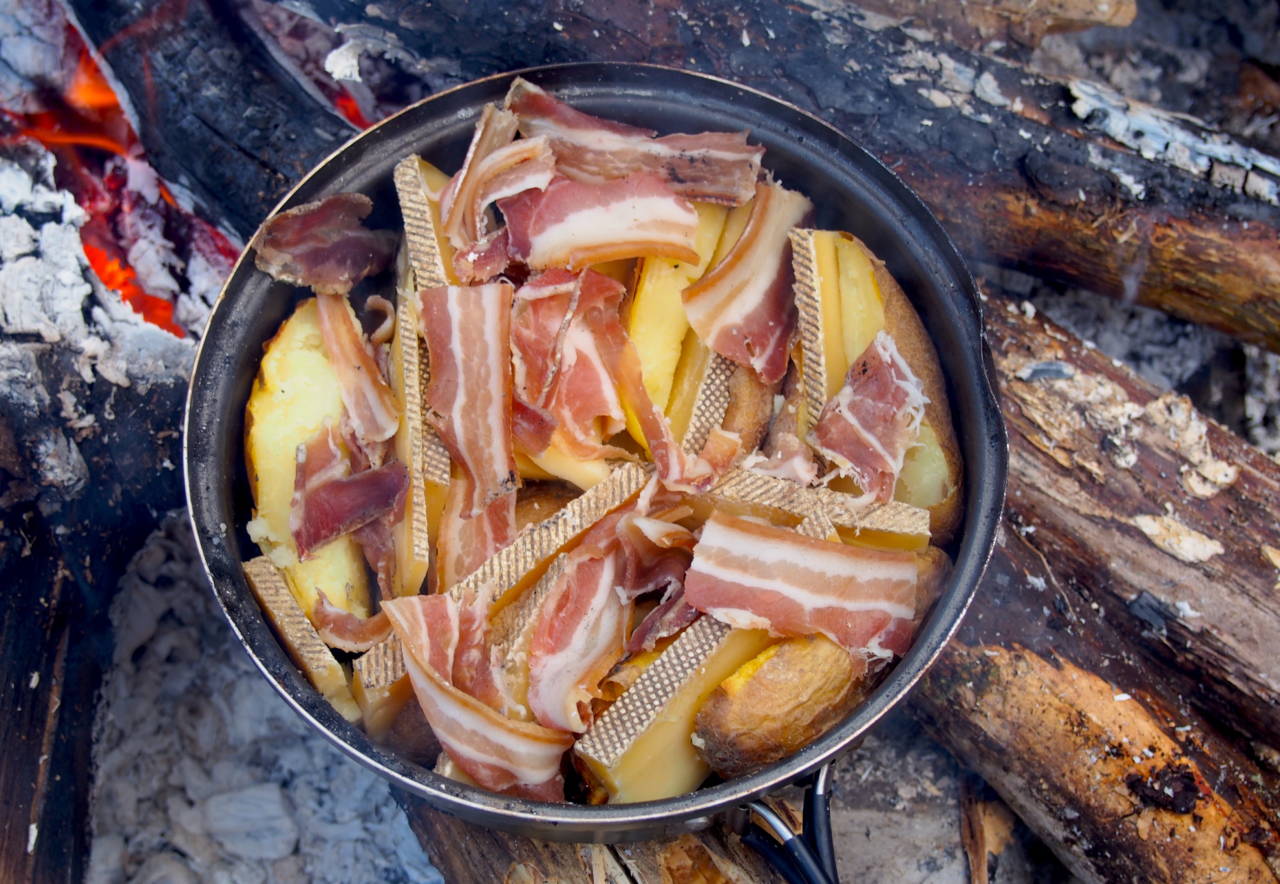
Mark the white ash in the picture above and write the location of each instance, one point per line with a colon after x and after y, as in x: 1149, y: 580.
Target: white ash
x: 1262, y: 399
x: 35, y: 52
x: 201, y: 772
x: 48, y: 291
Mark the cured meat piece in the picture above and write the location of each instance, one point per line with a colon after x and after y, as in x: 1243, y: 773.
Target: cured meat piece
x: 484, y: 260
x: 758, y: 576
x: 717, y: 167
x: 477, y: 671
x: 572, y: 357
x: 578, y: 638
x: 743, y: 307
x: 502, y: 755
x: 371, y: 406
x: 575, y: 224
x: 532, y: 427
x: 671, y: 616
x: 328, y: 501
x: 468, y: 399
x: 866, y: 429
x: 346, y: 631
x: 465, y: 542
x: 323, y: 245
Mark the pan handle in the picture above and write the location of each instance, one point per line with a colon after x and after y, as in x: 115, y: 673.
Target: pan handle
x: 806, y: 858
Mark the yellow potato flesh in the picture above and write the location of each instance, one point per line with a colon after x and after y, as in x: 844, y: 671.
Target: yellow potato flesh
x: 862, y: 304
x: 925, y: 480
x: 295, y: 394
x: 656, y: 322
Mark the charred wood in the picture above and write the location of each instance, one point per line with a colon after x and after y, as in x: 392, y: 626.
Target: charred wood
x: 1074, y: 182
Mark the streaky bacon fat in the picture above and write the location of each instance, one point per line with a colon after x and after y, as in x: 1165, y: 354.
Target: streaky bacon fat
x: 370, y: 404
x: 346, y: 631
x: 578, y: 637
x: 323, y: 244
x: 575, y: 224
x: 328, y: 501
x: 502, y: 755
x: 867, y: 427
x: 468, y: 399
x: 715, y: 167
x: 465, y: 542
x: 743, y: 307
x: 758, y: 576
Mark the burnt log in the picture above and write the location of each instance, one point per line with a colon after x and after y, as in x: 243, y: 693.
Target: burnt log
x: 1115, y: 679
x: 1060, y: 178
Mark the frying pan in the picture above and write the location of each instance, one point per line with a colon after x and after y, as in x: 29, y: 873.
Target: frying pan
x: 852, y: 191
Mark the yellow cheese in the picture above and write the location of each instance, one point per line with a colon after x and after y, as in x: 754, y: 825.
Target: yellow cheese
x: 641, y: 748
x: 412, y: 534
x: 694, y: 359
x: 295, y: 394
x: 300, y: 638
x: 832, y: 305
x: 381, y: 687
x: 556, y: 463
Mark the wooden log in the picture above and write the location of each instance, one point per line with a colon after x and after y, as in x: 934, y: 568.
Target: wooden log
x: 1073, y: 183
x: 1115, y: 678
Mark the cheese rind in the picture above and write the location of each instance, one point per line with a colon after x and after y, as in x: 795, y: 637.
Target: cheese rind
x: 641, y: 748
x: 300, y: 638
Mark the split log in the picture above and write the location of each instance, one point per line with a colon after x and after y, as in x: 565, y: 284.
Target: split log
x: 1116, y: 678
x: 1058, y: 178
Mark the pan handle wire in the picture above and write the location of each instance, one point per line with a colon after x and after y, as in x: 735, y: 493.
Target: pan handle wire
x: 807, y: 858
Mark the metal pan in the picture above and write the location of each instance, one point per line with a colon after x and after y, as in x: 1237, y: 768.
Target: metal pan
x: 852, y: 191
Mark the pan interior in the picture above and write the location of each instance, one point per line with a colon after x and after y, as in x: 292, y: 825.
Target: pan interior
x: 851, y: 191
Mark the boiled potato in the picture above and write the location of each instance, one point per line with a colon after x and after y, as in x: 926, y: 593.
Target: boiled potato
x: 295, y: 394
x: 777, y: 703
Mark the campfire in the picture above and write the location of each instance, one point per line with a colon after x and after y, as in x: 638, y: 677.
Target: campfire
x: 1112, y: 695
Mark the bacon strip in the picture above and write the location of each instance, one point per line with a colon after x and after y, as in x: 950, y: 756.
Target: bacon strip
x: 717, y: 167
x: 469, y: 397
x: 757, y: 576
x: 866, y: 429
x: 575, y: 224
x: 323, y: 245
x: 328, y: 501
x: 494, y: 168
x: 743, y: 308
x: 340, y: 629
x: 371, y: 406
x: 578, y: 638
x: 465, y: 542
x: 502, y: 755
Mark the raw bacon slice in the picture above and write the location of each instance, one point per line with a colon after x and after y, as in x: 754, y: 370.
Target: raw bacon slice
x: 717, y: 167
x: 370, y: 405
x: 346, y: 631
x: 465, y: 542
x: 476, y: 669
x: 743, y: 307
x: 469, y: 397
x: 502, y: 755
x: 323, y: 245
x: 328, y: 501
x: 578, y: 638
x: 758, y: 576
x: 574, y: 224
x: 866, y: 429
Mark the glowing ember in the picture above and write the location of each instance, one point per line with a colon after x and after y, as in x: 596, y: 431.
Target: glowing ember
x: 99, y: 157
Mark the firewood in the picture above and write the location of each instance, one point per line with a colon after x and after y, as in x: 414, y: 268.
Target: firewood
x: 1115, y: 677
x: 1032, y: 172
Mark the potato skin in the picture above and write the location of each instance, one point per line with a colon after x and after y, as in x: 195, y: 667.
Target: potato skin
x: 777, y: 703
x: 908, y: 332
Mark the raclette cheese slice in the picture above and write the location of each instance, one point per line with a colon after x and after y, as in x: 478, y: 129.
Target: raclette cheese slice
x: 641, y: 748
x: 300, y: 638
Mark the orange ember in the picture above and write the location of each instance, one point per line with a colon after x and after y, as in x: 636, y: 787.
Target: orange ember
x: 88, y: 124
x: 347, y: 105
